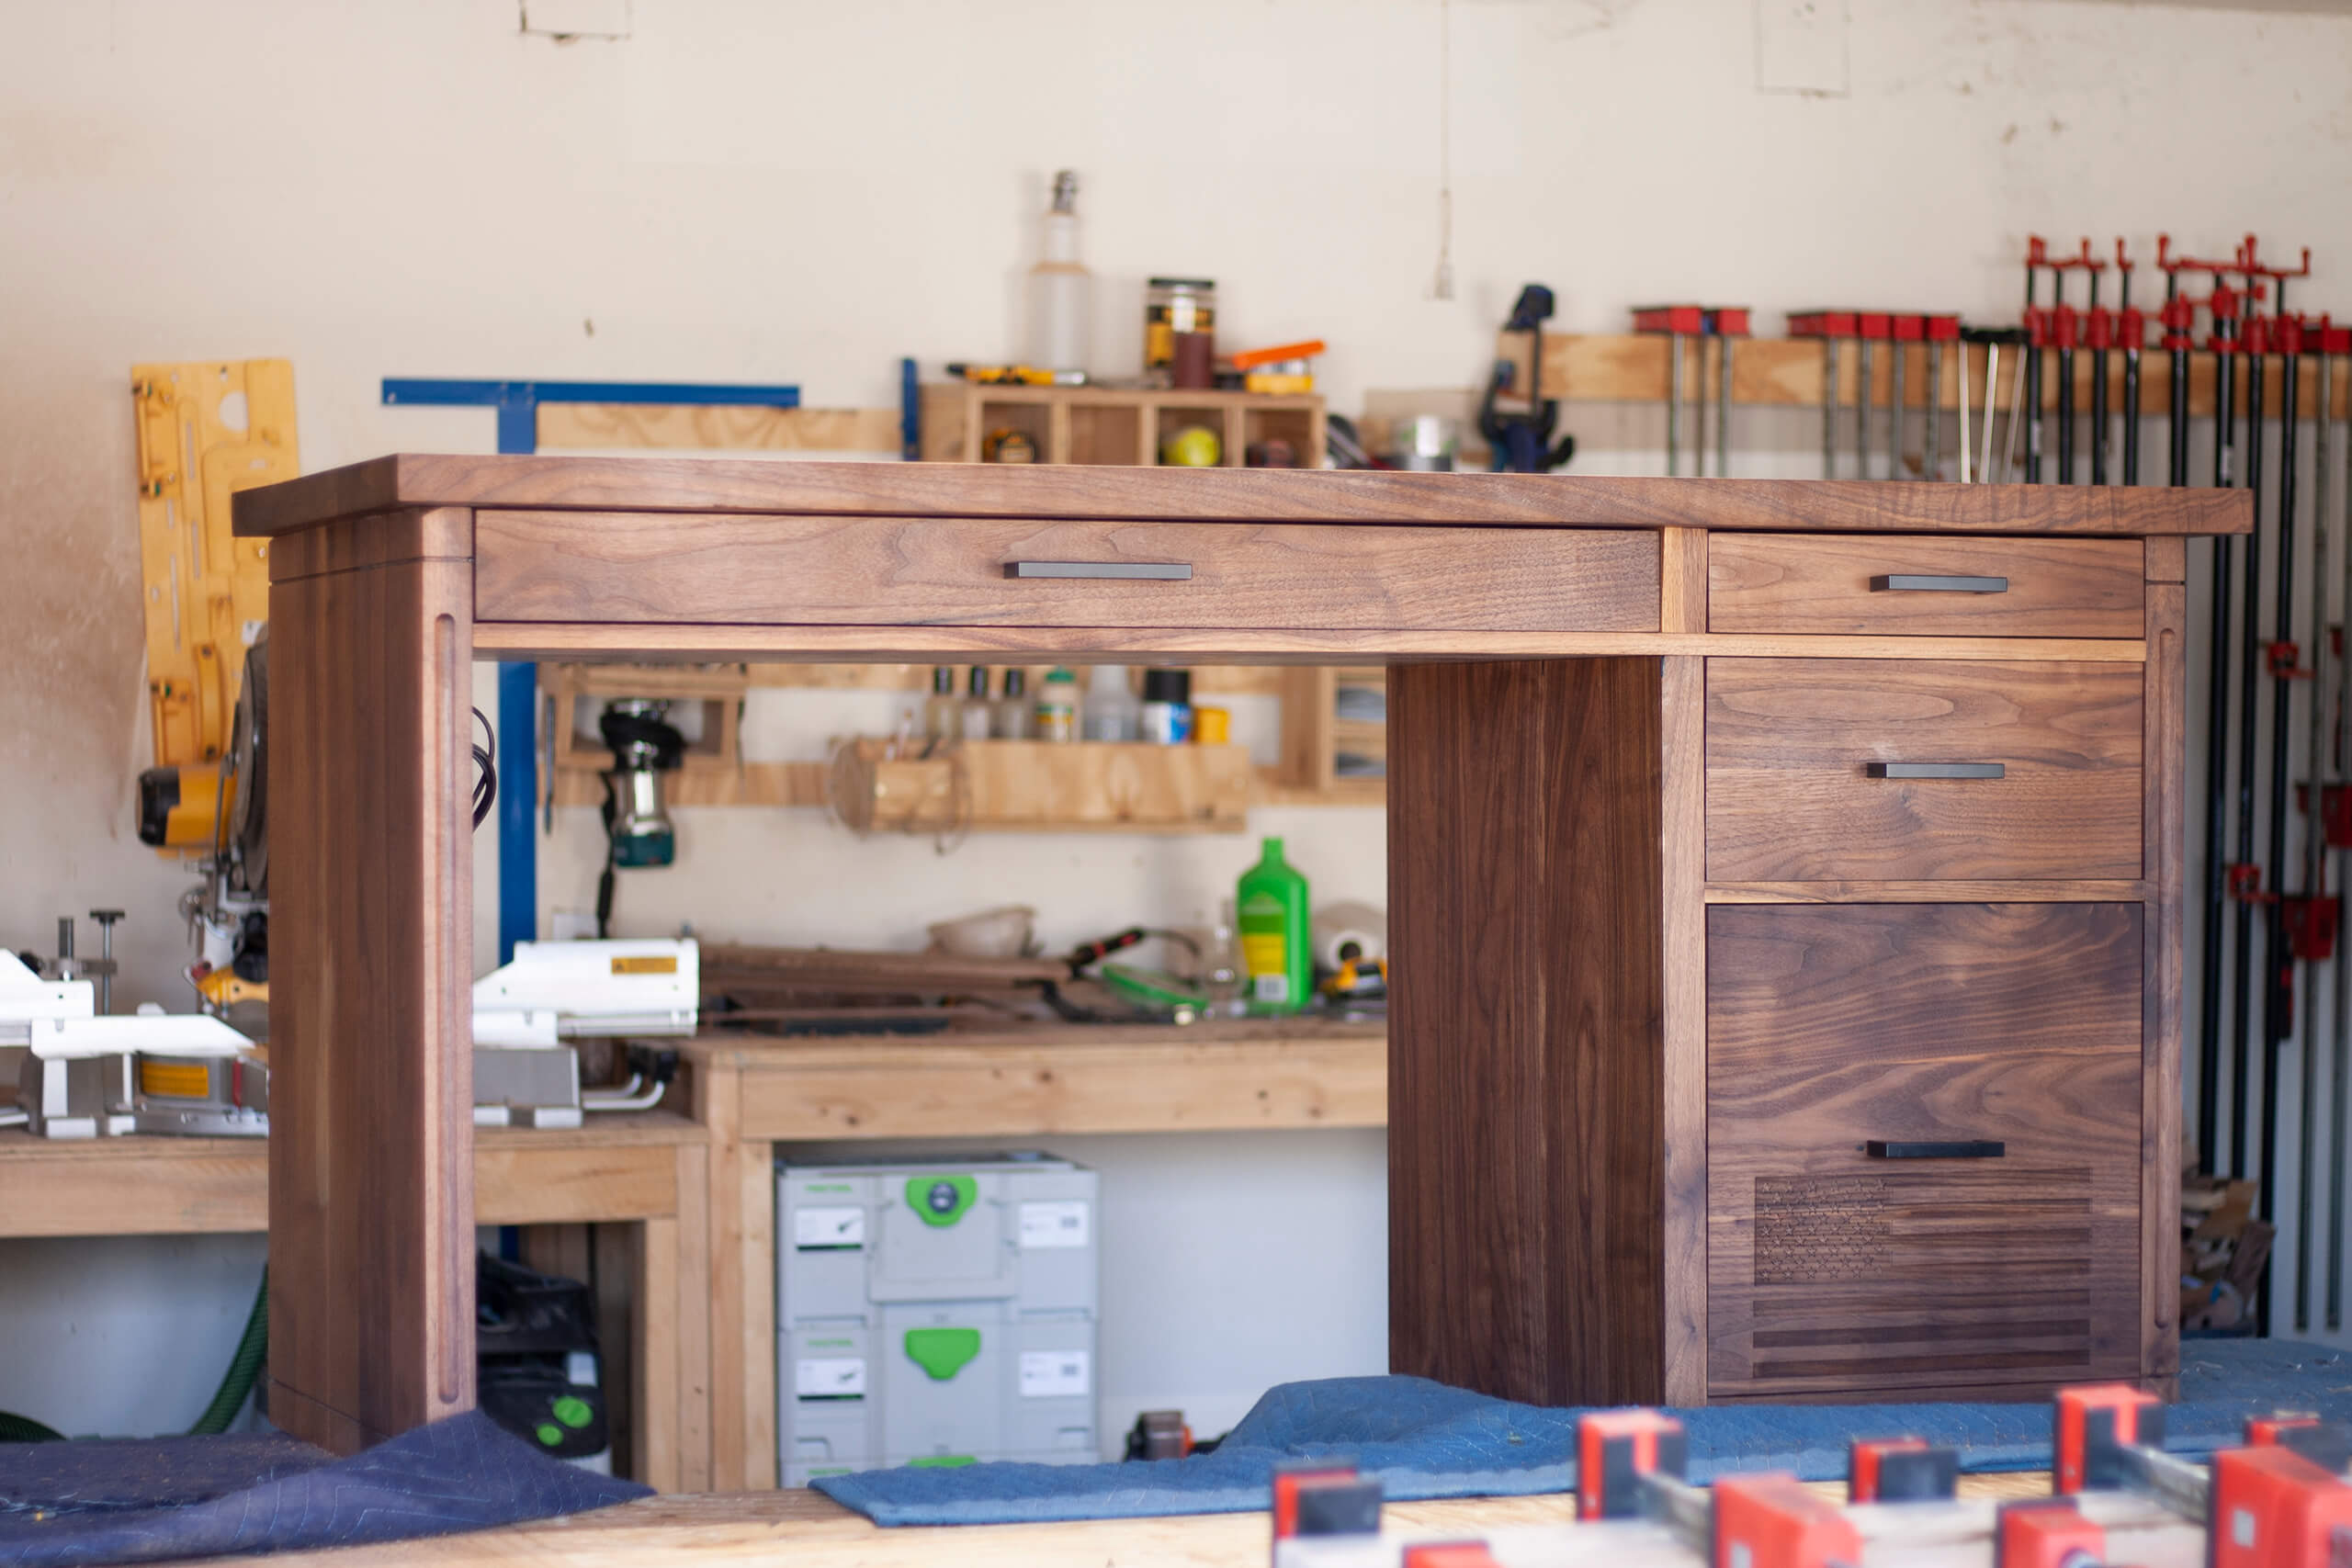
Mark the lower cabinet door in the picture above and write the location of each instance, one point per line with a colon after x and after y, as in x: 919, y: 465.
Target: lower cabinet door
x: 1923, y: 1148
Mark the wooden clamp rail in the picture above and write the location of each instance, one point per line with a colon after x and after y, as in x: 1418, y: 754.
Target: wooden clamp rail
x: 1787, y: 372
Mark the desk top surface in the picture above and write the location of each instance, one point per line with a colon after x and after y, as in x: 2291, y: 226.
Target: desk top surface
x: 1254, y: 495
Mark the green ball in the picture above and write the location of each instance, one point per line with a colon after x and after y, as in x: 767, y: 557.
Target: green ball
x: 1195, y: 446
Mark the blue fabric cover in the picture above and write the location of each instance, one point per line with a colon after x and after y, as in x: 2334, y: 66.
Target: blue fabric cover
x: 144, y: 1500
x: 1423, y: 1440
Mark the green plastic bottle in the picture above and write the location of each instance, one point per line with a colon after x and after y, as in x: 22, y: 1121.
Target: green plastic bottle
x: 1277, y: 953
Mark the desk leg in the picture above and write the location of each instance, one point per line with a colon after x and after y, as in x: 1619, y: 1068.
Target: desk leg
x: 655, y: 1389
x: 1527, y: 1092
x: 371, y: 1199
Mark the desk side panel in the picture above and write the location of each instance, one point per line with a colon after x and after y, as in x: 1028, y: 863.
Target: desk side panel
x: 371, y: 1179
x: 1526, y: 1088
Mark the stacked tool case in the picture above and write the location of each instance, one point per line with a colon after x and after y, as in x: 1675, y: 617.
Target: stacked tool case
x: 934, y: 1315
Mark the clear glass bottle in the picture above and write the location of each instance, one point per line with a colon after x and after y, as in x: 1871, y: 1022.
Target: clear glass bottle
x: 1012, y: 721
x: 978, y: 709
x: 1060, y: 292
x: 942, y: 716
x: 1057, y: 706
x: 1112, y: 711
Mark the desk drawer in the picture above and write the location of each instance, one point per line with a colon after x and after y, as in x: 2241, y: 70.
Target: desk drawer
x: 1896, y: 586
x: 1937, y: 1033
x: 556, y: 566
x: 1892, y: 769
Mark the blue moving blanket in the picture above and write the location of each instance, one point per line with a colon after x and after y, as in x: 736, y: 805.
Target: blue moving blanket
x: 1423, y: 1440
x: 144, y: 1500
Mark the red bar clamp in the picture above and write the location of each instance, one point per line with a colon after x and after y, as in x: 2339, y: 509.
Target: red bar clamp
x: 2094, y: 1420
x: 2286, y: 659
x: 1614, y: 1450
x: 1690, y: 318
x: 2335, y: 812
x: 2309, y: 921
x: 1900, y: 1470
x: 2242, y: 882
x: 2046, y: 1534
x: 1449, y: 1554
x: 1312, y: 1499
x: 2273, y: 1509
x: 1771, y: 1521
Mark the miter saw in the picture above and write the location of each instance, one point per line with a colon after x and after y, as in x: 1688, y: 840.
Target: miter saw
x: 89, y: 1075
x: 526, y: 1075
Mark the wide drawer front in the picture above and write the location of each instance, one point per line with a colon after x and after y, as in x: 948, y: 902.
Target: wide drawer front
x: 1991, y: 1054
x: 558, y: 566
x: 1899, y: 586
x: 1888, y: 770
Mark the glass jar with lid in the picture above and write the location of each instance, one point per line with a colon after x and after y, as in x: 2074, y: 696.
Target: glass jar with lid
x: 1172, y: 305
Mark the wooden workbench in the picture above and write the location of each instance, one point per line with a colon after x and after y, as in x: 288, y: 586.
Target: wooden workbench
x: 1682, y: 967
x: 754, y: 1092
x: 809, y: 1531
x: 645, y: 1171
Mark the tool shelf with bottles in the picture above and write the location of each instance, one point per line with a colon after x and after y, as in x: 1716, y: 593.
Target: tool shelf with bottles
x: 963, y: 422
x: 1333, y: 741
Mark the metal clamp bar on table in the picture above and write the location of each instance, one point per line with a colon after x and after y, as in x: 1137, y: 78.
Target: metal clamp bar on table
x: 1150, y: 572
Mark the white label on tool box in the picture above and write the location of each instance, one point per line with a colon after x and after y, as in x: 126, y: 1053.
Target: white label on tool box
x: 1053, y: 1374
x: 830, y: 1377
x: 828, y: 1227
x: 1060, y: 1223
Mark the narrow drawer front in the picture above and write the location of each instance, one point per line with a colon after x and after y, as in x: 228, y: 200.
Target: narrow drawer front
x: 691, y: 568
x: 1822, y: 770
x: 1829, y: 584
x: 1967, y: 1027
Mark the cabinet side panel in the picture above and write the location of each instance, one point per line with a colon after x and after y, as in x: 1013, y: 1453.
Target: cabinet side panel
x: 1526, y: 1169
x: 2166, y: 833
x: 371, y: 1152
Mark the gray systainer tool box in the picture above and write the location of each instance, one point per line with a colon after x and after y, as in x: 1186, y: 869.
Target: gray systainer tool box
x: 934, y: 1315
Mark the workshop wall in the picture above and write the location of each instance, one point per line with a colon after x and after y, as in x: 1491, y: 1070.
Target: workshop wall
x: 803, y: 192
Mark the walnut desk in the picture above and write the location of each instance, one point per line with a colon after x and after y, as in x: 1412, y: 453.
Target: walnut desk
x: 1785, y: 876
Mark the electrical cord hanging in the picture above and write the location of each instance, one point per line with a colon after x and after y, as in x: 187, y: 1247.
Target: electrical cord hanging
x: 486, y: 760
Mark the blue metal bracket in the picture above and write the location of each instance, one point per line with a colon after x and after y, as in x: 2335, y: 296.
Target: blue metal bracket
x: 518, y: 403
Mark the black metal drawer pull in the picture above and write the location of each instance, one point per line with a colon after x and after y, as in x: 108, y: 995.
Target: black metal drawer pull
x: 1904, y: 583
x: 1125, y: 570
x: 1935, y: 770
x: 1975, y: 1148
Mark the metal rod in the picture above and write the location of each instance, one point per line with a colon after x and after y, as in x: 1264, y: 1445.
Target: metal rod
x: 2032, y: 411
x: 1722, y: 408
x: 2278, y: 968
x: 2132, y: 346
x: 2217, y: 754
x: 2018, y: 393
x: 1964, y: 405
x: 1674, y: 407
x: 1895, y: 412
x: 1931, y: 443
x: 1828, y: 408
x: 2314, y: 845
x: 2099, y: 432
x: 2241, y: 934
x: 1865, y: 396
x: 2340, y: 1078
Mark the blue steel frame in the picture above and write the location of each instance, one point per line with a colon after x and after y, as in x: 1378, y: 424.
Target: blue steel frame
x: 518, y: 403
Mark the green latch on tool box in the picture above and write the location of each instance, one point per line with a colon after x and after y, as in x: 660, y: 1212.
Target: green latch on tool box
x: 943, y: 1352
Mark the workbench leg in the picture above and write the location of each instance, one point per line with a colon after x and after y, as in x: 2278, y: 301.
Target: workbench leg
x: 372, y: 1241
x: 656, y: 1383
x: 1526, y: 1096
x: 689, y: 1299
x: 742, y: 1288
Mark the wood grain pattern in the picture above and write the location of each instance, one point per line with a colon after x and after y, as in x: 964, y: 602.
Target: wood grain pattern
x: 2165, y: 831
x: 1002, y: 645
x: 884, y: 1088
x: 1526, y: 1102
x: 2167, y: 560
x: 625, y: 567
x: 370, y: 1191
x: 1682, y: 579
x: 1954, y: 891
x: 1785, y: 582
x: 1683, y: 1024
x: 1829, y: 1027
x: 1254, y: 495
x: 716, y: 427
x: 1787, y: 799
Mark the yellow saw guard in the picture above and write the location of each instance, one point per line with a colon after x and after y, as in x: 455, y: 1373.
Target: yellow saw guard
x: 206, y: 431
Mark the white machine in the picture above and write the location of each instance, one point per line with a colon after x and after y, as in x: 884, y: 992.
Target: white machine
x: 524, y: 1073
x: 89, y: 1075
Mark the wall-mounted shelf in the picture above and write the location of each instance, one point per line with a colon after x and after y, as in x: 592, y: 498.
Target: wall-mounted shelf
x: 1042, y: 786
x: 1113, y: 426
x: 1787, y: 372
x: 1335, y: 732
